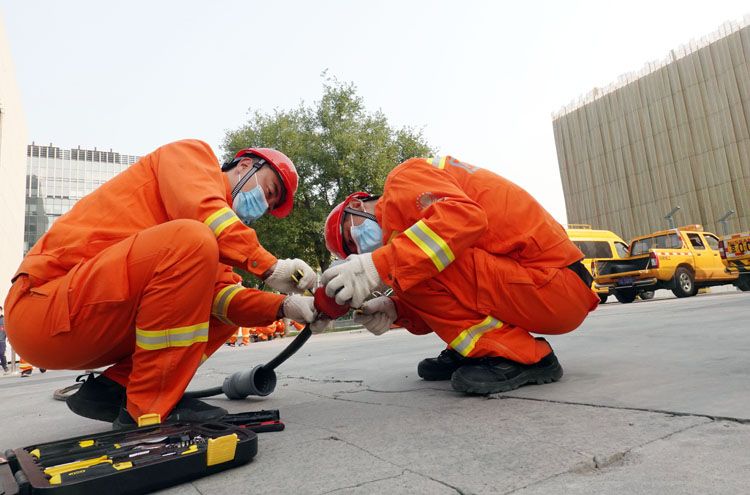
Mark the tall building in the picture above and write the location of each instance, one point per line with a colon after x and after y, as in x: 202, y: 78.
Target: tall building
x: 675, y: 134
x: 56, y: 178
x: 12, y: 169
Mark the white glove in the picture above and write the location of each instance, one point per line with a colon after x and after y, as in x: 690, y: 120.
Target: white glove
x: 281, y: 277
x: 352, y: 280
x: 299, y: 308
x: 377, y: 315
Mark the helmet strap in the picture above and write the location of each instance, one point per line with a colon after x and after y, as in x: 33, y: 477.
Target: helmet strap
x: 238, y: 187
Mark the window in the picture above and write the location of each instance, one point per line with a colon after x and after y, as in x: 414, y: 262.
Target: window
x: 696, y: 241
x: 594, y: 249
x: 664, y: 241
x: 712, y: 241
x: 622, y: 249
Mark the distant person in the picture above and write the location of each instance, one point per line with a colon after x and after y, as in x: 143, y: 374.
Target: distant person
x: 470, y: 256
x: 138, y: 276
x: 3, y: 360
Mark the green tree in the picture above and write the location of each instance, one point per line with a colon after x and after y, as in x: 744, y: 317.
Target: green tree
x: 338, y: 147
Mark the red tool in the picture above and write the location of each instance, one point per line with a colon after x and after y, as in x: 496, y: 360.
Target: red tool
x: 328, y: 306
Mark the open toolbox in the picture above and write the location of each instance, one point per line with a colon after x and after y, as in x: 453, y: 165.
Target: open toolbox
x: 133, y: 461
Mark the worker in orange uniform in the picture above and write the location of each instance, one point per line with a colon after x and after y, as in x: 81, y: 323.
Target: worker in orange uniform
x: 138, y: 275
x: 470, y: 256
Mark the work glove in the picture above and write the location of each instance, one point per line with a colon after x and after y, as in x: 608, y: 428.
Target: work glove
x: 299, y: 308
x: 281, y: 276
x: 377, y: 315
x: 352, y: 281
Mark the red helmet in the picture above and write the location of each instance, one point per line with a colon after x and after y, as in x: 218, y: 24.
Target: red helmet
x: 335, y: 225
x: 284, y: 168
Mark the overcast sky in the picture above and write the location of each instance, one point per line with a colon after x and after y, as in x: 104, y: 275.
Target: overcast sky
x: 480, y: 78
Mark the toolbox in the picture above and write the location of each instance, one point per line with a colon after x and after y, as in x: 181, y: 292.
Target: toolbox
x: 138, y: 460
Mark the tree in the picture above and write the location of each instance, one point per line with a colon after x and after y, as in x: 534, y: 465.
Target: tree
x: 338, y: 148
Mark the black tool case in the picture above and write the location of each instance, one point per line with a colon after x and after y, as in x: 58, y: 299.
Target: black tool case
x: 138, y: 460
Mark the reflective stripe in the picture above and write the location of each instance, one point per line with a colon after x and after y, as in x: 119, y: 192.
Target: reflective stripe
x: 432, y: 244
x: 222, y: 300
x: 220, y: 220
x: 437, y: 162
x: 152, y: 340
x: 467, y: 339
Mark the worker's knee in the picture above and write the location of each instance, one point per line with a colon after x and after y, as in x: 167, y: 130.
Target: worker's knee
x: 196, y: 239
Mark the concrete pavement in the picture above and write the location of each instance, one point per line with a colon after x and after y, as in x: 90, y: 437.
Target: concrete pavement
x: 655, y: 399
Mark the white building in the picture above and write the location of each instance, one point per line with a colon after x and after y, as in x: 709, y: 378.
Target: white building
x: 12, y: 169
x: 56, y: 178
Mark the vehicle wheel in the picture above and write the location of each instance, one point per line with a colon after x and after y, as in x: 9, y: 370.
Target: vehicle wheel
x: 646, y: 295
x: 743, y: 283
x: 603, y: 298
x: 684, y: 283
x: 626, y: 296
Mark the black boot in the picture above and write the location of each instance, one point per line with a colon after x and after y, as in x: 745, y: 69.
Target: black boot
x: 192, y: 410
x: 492, y: 375
x: 443, y: 366
x: 98, y: 398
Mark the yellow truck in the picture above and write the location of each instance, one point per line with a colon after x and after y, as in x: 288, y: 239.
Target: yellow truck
x: 596, y: 245
x: 735, y: 254
x: 682, y: 260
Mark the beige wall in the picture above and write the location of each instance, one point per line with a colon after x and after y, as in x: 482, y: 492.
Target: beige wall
x: 13, y: 142
x: 678, y: 135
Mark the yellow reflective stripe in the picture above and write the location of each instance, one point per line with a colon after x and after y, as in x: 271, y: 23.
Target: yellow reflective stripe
x: 467, y: 339
x: 432, y: 244
x: 220, y: 220
x: 222, y: 300
x: 152, y: 340
x: 437, y: 162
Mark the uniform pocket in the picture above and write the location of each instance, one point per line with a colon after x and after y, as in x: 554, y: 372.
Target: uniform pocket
x: 57, y: 309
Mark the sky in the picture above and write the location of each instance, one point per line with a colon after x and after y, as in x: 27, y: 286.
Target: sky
x: 481, y: 79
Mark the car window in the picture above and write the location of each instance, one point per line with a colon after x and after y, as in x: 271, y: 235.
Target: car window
x: 696, y: 241
x: 594, y: 249
x: 622, y: 249
x: 664, y: 241
x: 712, y: 241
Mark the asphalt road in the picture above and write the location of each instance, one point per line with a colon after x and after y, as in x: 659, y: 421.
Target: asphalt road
x: 655, y: 399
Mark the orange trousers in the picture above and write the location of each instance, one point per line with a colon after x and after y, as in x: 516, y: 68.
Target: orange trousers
x: 488, y: 305
x: 245, y: 336
x: 142, y: 305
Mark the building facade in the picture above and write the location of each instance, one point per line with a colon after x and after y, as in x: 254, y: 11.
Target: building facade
x: 56, y: 178
x: 12, y: 169
x: 677, y: 134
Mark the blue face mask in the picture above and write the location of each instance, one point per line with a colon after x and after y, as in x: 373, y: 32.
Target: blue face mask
x: 368, y: 236
x: 250, y: 205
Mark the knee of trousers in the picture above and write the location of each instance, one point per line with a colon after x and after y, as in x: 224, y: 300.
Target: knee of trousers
x: 194, y: 240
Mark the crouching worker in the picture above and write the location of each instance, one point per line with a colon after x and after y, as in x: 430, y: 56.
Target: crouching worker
x: 138, y: 276
x: 470, y: 256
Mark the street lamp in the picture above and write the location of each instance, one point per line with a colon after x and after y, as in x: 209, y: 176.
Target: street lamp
x: 723, y: 221
x: 669, y: 218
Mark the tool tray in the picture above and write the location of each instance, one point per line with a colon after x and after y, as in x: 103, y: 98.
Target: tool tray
x: 127, y: 461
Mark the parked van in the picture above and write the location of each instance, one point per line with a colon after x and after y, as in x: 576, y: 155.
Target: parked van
x: 596, y: 245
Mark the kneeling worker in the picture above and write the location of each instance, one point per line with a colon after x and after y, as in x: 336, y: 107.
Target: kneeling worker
x: 470, y: 256
x: 138, y: 275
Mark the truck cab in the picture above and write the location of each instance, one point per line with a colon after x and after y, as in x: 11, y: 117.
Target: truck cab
x: 681, y: 260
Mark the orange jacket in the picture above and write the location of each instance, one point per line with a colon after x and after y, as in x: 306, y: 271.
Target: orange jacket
x: 181, y: 180
x: 434, y: 209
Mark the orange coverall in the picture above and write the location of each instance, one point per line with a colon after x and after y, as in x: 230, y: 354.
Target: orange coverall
x: 476, y: 259
x: 138, y: 274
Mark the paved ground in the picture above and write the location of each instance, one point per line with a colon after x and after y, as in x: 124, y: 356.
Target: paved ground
x: 655, y: 399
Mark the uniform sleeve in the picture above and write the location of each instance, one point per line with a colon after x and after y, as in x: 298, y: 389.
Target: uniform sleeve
x: 239, y: 306
x: 191, y: 186
x: 440, y: 222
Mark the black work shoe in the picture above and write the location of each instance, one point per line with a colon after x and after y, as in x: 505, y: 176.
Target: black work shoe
x: 98, y: 398
x: 443, y: 366
x: 192, y: 410
x: 491, y: 375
